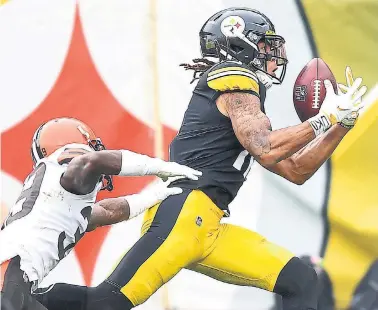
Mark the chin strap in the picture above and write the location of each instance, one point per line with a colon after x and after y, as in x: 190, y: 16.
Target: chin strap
x: 264, y: 78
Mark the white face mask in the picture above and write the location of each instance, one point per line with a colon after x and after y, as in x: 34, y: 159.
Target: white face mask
x: 264, y: 78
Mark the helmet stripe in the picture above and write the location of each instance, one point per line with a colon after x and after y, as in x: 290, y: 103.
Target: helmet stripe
x: 232, y: 72
x: 36, y: 150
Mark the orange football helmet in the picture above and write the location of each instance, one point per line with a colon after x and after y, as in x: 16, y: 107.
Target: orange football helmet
x: 59, y: 132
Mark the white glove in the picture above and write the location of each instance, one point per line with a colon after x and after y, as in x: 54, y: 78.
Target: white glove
x: 134, y: 164
x: 345, y: 88
x: 152, y: 195
x: 339, y: 109
x: 164, y: 169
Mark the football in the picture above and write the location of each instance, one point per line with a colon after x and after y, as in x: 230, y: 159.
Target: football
x: 309, y: 90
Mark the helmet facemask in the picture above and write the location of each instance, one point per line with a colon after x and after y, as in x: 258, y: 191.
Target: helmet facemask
x: 97, y: 145
x: 107, y: 180
x: 273, y: 49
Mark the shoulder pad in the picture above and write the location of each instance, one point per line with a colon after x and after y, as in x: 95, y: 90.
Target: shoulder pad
x: 228, y: 76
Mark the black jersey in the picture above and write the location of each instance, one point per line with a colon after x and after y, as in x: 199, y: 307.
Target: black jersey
x: 206, y: 140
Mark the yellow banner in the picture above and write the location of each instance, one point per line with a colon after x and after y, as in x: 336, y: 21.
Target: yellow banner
x: 346, y: 33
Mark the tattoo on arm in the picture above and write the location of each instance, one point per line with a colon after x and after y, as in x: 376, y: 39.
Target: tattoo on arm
x: 303, y: 164
x: 253, y: 130
x: 252, y: 127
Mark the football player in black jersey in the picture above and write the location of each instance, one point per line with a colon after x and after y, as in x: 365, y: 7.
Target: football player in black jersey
x: 223, y: 131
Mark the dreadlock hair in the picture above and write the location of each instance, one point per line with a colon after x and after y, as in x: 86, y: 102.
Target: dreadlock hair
x: 200, y: 66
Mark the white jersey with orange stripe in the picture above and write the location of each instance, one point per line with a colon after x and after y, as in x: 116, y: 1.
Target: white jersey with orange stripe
x: 46, y: 221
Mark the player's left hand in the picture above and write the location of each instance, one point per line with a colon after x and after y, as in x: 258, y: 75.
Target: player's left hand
x: 164, y: 170
x: 349, y: 82
x: 343, y: 108
x: 151, y: 195
x: 351, y: 119
x: 161, y: 190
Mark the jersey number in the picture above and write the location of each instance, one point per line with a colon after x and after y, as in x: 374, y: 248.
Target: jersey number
x: 28, y: 196
x: 64, y: 251
x: 240, y: 161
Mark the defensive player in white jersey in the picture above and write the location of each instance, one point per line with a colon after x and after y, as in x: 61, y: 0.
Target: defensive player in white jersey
x: 57, y: 204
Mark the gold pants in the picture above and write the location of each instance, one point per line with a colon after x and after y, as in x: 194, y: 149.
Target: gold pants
x: 184, y: 231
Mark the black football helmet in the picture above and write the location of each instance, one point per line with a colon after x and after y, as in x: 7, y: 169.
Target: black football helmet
x: 234, y: 34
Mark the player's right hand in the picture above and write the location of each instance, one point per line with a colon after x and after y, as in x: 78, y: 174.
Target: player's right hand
x: 164, y: 170
x: 160, y: 190
x: 343, y: 108
x: 150, y: 196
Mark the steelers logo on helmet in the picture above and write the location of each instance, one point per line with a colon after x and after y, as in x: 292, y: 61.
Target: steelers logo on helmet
x: 232, y: 26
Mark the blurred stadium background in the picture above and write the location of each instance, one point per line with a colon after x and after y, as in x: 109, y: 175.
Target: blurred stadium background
x: 114, y: 64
